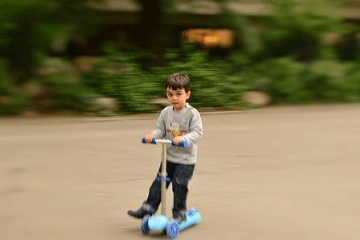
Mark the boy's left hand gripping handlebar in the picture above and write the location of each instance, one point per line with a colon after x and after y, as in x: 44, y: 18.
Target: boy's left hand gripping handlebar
x: 184, y: 144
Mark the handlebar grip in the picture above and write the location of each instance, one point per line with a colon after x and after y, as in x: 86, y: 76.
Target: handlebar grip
x: 184, y: 144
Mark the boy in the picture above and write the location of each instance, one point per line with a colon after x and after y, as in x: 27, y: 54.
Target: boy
x: 178, y: 122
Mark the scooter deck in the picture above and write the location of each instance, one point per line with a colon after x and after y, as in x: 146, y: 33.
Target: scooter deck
x: 159, y: 223
x: 192, y: 218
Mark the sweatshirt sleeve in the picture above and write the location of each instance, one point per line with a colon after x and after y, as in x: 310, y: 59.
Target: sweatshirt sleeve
x: 160, y: 128
x: 196, y: 129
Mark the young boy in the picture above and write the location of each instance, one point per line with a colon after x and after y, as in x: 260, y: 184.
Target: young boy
x: 177, y: 122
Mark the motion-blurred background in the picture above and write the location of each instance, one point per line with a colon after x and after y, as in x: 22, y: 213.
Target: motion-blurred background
x: 112, y: 56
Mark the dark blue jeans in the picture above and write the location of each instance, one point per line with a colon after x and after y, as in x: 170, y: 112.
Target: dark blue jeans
x: 179, y: 175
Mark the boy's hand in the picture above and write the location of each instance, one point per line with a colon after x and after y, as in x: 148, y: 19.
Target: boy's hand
x: 178, y: 140
x: 149, y: 137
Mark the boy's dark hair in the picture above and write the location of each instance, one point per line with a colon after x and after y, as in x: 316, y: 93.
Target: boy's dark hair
x: 178, y: 80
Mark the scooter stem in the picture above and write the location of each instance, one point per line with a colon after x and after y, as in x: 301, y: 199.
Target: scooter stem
x: 163, y: 182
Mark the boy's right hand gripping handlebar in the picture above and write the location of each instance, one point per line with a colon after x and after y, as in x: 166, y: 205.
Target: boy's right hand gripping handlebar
x: 184, y: 144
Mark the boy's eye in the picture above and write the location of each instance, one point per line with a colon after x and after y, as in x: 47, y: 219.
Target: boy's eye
x: 171, y: 94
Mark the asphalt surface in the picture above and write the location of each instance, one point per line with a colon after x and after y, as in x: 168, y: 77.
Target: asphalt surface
x: 276, y: 173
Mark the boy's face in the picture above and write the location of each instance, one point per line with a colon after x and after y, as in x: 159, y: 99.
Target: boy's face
x: 177, y: 98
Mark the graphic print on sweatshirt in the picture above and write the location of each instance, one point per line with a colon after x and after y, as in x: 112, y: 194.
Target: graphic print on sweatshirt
x: 174, y: 129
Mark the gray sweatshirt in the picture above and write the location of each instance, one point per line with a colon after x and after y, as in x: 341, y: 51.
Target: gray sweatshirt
x: 186, y: 123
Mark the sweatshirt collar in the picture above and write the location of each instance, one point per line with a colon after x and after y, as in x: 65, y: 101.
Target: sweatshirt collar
x: 186, y: 106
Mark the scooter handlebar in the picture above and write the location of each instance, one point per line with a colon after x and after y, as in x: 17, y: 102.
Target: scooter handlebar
x: 184, y: 143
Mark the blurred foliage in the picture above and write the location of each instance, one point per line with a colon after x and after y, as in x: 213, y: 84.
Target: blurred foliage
x: 289, y: 81
x: 296, y: 28
x: 118, y: 75
x: 12, y: 100
x: 54, y: 92
x: 247, y: 38
x: 27, y: 29
x: 282, y: 54
x: 63, y: 89
x: 211, y: 85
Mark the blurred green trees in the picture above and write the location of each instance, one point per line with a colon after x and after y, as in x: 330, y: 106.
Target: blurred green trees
x: 27, y: 30
x: 295, y: 52
x: 300, y: 52
x: 12, y: 100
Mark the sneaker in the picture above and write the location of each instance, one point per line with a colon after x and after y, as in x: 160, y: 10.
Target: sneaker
x: 145, y: 209
x: 180, y: 217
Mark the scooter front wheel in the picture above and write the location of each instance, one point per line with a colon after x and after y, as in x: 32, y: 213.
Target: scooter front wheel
x: 145, y: 225
x: 172, y: 229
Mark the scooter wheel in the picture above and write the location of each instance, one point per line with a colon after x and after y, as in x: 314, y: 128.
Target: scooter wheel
x: 172, y: 229
x: 192, y: 211
x: 145, y: 225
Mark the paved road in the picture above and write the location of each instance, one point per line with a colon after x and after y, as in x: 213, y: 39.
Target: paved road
x: 268, y: 174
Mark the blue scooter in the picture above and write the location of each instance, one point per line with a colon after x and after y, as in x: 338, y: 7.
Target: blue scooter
x: 161, y: 222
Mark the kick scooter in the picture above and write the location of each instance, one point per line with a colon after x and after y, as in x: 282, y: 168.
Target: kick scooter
x: 161, y: 222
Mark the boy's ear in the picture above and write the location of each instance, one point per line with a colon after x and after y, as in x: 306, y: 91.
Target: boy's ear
x: 188, y: 94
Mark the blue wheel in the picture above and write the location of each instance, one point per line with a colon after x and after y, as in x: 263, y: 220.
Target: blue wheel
x: 145, y: 225
x: 172, y: 229
x: 192, y: 211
